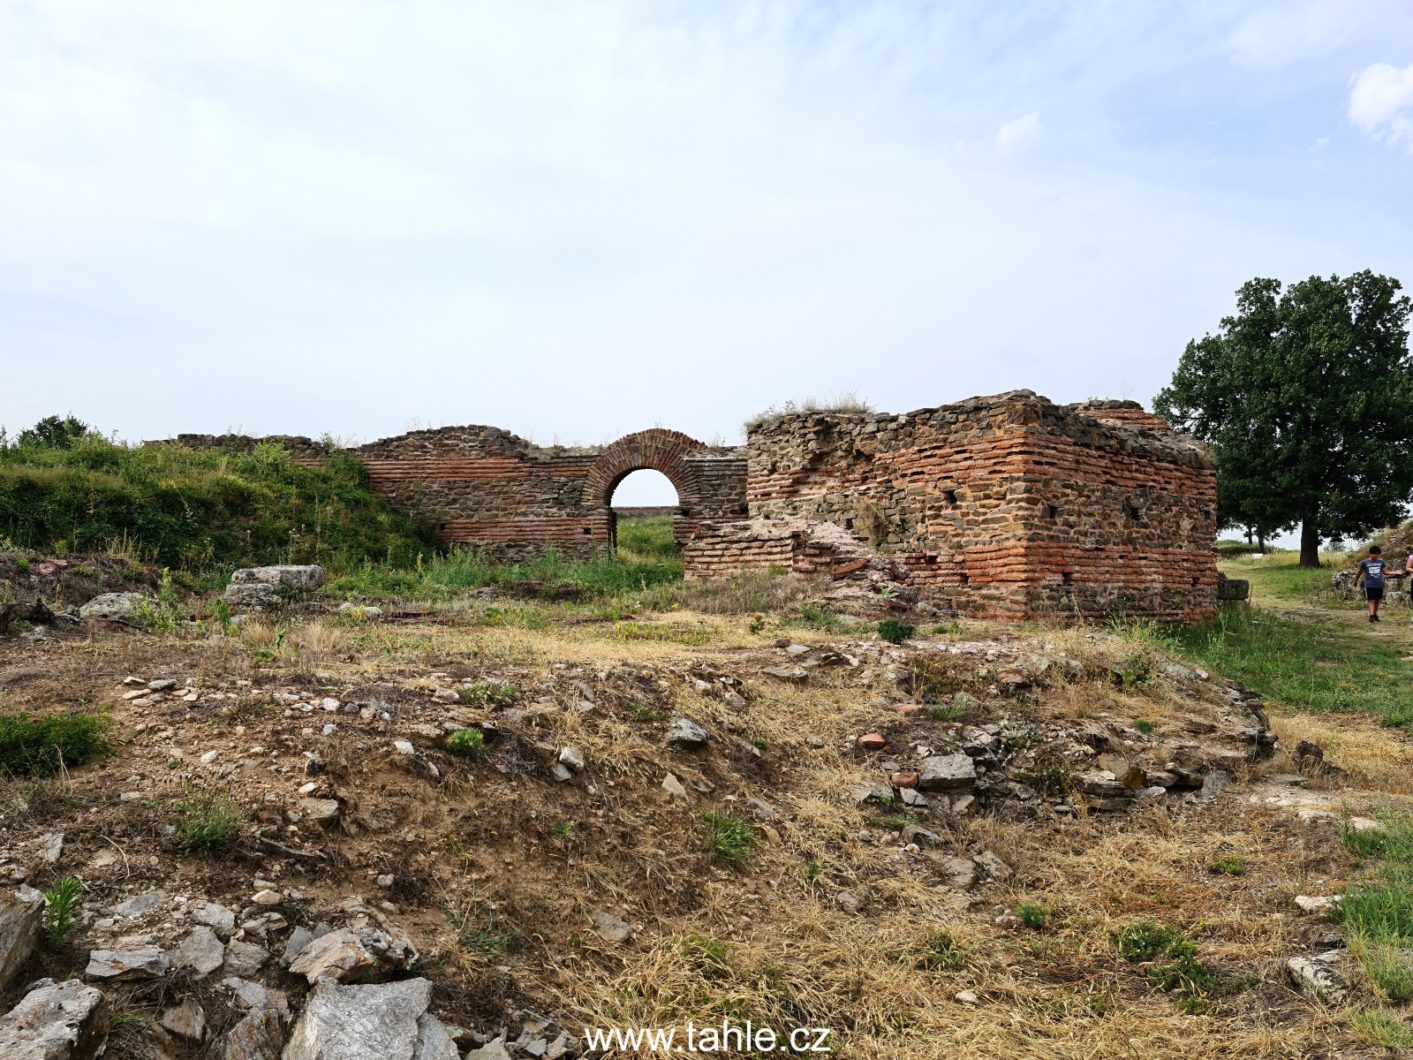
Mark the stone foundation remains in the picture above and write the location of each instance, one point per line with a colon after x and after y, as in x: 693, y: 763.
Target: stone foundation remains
x: 1007, y: 506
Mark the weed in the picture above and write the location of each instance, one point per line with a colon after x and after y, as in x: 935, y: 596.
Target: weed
x: 819, y: 617
x: 480, y: 930
x: 63, y: 903
x: 206, y: 822
x: 31, y: 747
x: 1228, y: 865
x: 488, y: 694
x: 949, y: 712
x: 468, y: 743
x: 1148, y: 939
x: 895, y: 631
x: 1032, y: 915
x: 730, y: 838
x: 562, y: 829
x: 813, y: 870
x: 939, y: 952
x: 1144, y: 726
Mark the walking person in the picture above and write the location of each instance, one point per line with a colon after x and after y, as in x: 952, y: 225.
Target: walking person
x: 1371, y: 573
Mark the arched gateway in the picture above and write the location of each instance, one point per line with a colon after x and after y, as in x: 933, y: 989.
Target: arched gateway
x: 652, y: 450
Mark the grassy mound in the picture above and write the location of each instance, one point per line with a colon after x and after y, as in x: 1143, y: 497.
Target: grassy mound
x: 204, y: 512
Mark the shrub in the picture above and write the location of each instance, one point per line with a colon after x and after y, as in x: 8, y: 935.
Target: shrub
x: 31, y: 747
x: 62, y: 903
x: 206, y: 822
x: 894, y: 631
x: 1032, y: 915
x: 468, y: 743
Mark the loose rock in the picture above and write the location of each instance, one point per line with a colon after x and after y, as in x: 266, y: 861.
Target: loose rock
x: 56, y: 1021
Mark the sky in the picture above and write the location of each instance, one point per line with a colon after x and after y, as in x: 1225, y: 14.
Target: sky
x: 576, y: 220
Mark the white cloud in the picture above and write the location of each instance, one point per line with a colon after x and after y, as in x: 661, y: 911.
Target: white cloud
x: 1289, y: 32
x: 1381, y: 104
x: 1019, y: 133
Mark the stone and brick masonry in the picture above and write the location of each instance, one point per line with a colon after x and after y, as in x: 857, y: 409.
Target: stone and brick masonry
x: 1007, y: 506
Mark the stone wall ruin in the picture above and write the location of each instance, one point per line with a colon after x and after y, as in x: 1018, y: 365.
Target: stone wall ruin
x: 1007, y: 506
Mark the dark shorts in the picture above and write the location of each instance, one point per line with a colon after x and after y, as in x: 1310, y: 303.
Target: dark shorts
x: 1370, y: 593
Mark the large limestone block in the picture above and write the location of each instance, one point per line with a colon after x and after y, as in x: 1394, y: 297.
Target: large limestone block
x: 371, y: 1022
x: 21, y: 916
x: 56, y: 1021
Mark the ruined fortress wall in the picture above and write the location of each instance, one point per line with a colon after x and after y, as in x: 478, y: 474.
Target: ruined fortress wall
x: 1004, y: 506
x: 487, y: 488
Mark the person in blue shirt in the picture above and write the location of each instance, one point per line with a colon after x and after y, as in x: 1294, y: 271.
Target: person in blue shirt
x: 1371, y: 573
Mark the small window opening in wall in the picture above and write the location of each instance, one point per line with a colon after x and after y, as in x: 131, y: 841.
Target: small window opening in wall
x: 950, y: 496
x: 966, y: 578
x: 929, y: 560
x: 1066, y: 578
x: 587, y: 530
x: 848, y: 524
x: 442, y: 527
x: 1196, y: 581
x: 1133, y: 511
x: 1052, y: 510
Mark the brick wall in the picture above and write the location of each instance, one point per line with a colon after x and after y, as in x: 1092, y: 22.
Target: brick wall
x: 1005, y: 506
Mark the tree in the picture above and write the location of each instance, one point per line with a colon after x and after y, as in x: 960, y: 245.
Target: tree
x: 1306, y: 395
x: 53, y: 432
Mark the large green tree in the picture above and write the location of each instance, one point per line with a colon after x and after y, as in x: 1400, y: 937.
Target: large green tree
x: 1306, y: 395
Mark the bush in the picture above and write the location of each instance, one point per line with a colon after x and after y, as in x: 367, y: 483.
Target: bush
x: 468, y: 743
x: 894, y: 631
x: 206, y: 822
x: 32, y: 747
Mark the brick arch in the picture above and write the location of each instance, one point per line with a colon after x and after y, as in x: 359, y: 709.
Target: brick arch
x: 651, y: 450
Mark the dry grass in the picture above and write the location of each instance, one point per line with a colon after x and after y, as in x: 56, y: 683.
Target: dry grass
x: 522, y: 863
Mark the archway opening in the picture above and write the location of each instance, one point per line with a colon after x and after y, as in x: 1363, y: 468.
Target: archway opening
x: 642, y: 507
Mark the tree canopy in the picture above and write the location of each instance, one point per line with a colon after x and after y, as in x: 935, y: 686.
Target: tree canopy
x: 1306, y: 395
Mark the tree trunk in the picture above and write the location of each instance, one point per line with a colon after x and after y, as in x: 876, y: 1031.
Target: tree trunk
x: 1309, y: 543
x: 1260, y: 542
x: 1248, y: 535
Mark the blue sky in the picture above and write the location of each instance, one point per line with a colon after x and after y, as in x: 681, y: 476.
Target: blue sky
x: 577, y: 220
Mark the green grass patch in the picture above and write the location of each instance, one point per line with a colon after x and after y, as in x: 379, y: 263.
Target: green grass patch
x: 34, y: 747
x: 730, y: 837
x: 1228, y: 865
x: 1383, y: 1028
x: 647, y: 558
x: 1318, y: 667
x: 206, y: 822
